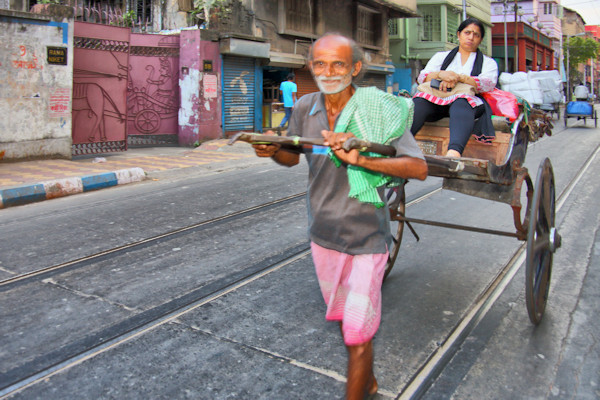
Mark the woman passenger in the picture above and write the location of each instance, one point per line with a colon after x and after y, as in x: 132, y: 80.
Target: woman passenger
x: 465, y: 64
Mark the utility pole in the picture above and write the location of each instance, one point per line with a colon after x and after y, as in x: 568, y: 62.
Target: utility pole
x: 516, y: 44
x: 568, y: 72
x: 592, y: 76
x: 464, y: 14
x: 505, y: 39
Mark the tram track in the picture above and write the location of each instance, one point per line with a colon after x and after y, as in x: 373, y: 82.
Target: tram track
x: 105, y: 339
x: 46, y: 272
x: 112, y: 336
x: 49, y: 363
x: 93, y: 344
x: 142, y: 323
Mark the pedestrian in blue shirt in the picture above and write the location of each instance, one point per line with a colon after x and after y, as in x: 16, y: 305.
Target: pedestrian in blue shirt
x: 288, y: 91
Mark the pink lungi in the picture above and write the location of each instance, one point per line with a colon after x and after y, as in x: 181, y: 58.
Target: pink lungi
x: 351, y: 287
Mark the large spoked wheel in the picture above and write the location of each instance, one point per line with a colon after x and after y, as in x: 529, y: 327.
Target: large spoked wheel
x: 542, y: 242
x: 396, y: 201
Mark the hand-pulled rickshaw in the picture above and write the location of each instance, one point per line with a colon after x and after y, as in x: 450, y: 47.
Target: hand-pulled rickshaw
x: 493, y: 171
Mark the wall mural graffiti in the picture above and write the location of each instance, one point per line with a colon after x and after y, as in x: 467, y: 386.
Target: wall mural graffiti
x: 26, y: 59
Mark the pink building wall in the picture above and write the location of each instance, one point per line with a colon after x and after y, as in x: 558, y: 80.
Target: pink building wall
x: 200, y: 88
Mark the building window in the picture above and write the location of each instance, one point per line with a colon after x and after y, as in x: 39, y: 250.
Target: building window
x: 430, y: 25
x: 393, y: 27
x: 453, y: 19
x: 143, y: 10
x: 110, y: 12
x: 297, y: 17
x: 529, y: 54
x: 368, y: 23
x: 548, y: 8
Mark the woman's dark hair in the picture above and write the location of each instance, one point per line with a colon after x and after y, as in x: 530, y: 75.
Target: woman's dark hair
x: 470, y: 21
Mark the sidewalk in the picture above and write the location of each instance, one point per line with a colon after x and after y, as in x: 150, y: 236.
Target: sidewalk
x: 31, y: 181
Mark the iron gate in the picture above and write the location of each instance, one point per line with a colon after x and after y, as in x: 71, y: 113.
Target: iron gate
x: 153, y: 90
x: 100, y: 70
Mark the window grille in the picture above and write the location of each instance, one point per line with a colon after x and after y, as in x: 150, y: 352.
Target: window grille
x: 299, y: 15
x: 108, y: 12
x: 143, y: 10
x: 367, y: 31
x: 393, y: 27
x: 529, y: 54
x: 548, y: 8
x: 545, y: 41
x: 453, y: 21
x: 430, y: 23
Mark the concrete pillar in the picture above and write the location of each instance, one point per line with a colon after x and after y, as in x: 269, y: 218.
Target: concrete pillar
x: 200, y: 87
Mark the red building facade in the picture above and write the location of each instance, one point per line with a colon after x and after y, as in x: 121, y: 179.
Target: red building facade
x: 593, y: 78
x: 534, y: 49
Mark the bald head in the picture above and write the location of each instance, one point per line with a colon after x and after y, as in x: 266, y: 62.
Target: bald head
x: 335, y: 57
x: 333, y: 39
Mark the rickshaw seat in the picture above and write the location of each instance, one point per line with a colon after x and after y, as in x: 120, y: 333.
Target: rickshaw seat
x: 433, y: 139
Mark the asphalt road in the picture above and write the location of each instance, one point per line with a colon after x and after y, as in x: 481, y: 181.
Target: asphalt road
x: 219, y: 311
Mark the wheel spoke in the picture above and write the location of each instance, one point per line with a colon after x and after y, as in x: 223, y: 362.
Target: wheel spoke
x: 541, y: 243
x: 542, y: 281
x: 396, y: 203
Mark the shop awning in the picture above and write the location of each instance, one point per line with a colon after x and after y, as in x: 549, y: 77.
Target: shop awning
x: 287, y: 60
x: 244, y: 47
x: 400, y: 8
x: 380, y: 68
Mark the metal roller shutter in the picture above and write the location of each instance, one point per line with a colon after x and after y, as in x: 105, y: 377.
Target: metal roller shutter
x: 238, y: 93
x: 377, y: 80
x: 305, y: 82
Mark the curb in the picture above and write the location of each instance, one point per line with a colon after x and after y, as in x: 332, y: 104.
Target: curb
x: 68, y: 186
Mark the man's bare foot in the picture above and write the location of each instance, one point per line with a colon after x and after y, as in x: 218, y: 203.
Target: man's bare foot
x: 372, y: 385
x: 453, y: 154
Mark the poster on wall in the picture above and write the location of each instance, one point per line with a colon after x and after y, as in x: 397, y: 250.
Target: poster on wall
x: 210, y: 86
x: 59, y: 103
